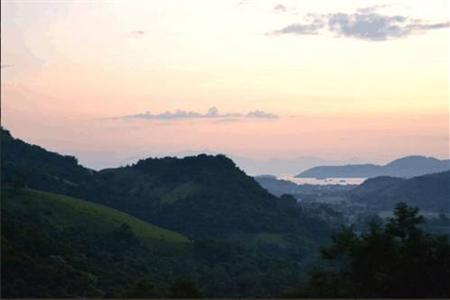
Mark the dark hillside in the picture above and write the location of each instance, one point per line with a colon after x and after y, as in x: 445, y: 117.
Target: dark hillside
x: 25, y: 164
x: 429, y: 192
x: 201, y: 196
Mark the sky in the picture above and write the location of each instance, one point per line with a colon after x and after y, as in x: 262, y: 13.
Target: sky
x: 339, y: 81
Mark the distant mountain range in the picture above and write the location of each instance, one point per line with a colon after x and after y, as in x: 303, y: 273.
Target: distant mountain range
x: 281, y: 166
x: 405, y: 167
x: 428, y: 192
x: 279, y: 187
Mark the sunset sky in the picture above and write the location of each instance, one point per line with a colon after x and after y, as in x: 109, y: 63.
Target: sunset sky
x: 114, y: 81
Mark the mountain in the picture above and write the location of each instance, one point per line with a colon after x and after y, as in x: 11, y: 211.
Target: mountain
x: 428, y: 192
x: 279, y: 166
x: 277, y: 186
x: 22, y: 162
x: 131, y: 234
x: 412, y: 166
x: 201, y: 196
x: 409, y: 166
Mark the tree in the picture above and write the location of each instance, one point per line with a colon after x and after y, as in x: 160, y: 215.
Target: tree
x: 394, y: 260
x: 184, y: 288
x: 406, y: 221
x: 144, y: 289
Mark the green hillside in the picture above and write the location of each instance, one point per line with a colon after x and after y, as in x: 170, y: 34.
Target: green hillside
x: 64, y: 212
x: 58, y: 246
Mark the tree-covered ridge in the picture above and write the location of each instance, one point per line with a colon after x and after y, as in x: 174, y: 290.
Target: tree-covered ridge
x: 201, y: 196
x: 22, y: 163
x: 428, y: 192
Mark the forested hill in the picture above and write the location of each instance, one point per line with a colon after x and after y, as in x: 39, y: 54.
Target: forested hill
x: 244, y: 242
x: 429, y: 192
x: 200, y: 196
x: 22, y: 163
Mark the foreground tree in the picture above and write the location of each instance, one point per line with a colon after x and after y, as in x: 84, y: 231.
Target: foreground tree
x: 395, y: 260
x: 184, y: 288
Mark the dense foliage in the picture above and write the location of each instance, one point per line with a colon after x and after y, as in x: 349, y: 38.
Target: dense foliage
x: 54, y: 246
x: 57, y: 246
x: 395, y: 260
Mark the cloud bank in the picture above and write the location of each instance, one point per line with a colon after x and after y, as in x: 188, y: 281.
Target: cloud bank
x: 137, y: 33
x: 280, y: 8
x: 365, y: 24
x: 212, y: 113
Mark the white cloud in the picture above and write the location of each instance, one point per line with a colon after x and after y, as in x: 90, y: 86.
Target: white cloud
x: 212, y: 113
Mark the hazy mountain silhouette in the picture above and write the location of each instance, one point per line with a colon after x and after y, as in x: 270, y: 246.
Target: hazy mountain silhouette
x: 409, y: 166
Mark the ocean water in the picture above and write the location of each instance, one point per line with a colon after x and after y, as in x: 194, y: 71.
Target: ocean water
x: 325, y: 181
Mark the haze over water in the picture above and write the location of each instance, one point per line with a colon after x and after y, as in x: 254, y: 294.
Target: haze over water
x: 323, y: 181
